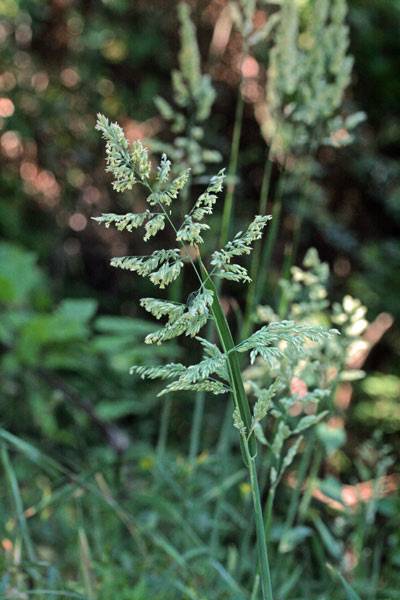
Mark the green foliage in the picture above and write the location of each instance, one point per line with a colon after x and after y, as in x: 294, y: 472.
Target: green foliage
x: 194, y: 96
x: 118, y: 520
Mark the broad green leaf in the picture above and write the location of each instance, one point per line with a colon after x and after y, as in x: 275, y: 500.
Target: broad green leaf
x: 81, y: 309
x: 331, y: 437
x: 19, y: 273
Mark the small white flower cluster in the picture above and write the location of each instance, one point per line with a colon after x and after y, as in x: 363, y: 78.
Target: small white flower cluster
x: 161, y: 267
x: 241, y: 244
x: 200, y: 377
x: 128, y: 164
x: 295, y: 336
x: 188, y: 321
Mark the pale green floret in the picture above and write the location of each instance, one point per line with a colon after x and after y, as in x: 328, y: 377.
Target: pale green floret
x: 241, y: 244
x: 198, y: 377
x: 194, y: 378
x: 164, y: 372
x: 294, y: 334
x: 162, y: 266
x: 161, y: 308
x: 214, y: 387
x: 264, y: 397
x: 178, y: 184
x: 152, y: 227
x: 189, y: 322
x: 205, y: 202
x: 129, y: 221
x: 190, y: 231
x: 238, y: 423
x: 159, y: 197
x: 164, y: 169
x: 128, y: 163
x: 309, y: 70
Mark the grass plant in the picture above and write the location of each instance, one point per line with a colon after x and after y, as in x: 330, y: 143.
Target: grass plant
x: 166, y: 520
x: 219, y: 372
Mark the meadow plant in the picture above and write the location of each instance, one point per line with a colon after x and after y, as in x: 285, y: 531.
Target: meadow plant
x: 193, y: 95
x: 308, y: 73
x: 219, y: 371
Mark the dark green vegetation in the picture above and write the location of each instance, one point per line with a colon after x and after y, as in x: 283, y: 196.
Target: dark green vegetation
x: 106, y: 493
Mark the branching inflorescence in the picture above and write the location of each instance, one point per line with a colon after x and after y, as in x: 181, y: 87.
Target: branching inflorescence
x: 279, y: 343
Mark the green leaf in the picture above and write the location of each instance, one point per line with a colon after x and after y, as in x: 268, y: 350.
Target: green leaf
x: 123, y: 325
x: 294, y: 537
x: 332, y: 438
x: 350, y: 593
x: 334, y: 547
x: 19, y: 274
x: 111, y: 411
x: 81, y: 310
x: 309, y: 420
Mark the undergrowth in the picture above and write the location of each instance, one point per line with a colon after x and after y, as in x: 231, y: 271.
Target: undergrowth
x: 247, y: 498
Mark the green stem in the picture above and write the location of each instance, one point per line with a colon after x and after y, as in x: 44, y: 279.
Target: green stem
x: 164, y: 426
x: 196, y: 425
x: 256, y: 255
x: 228, y: 204
x: 294, y: 500
x: 272, y: 233
x: 18, y: 502
x: 232, y: 362
x: 268, y: 511
x: 222, y: 452
x: 305, y: 502
x: 261, y: 538
x: 233, y: 161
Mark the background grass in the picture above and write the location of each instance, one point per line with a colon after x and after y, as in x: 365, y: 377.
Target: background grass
x: 89, y: 507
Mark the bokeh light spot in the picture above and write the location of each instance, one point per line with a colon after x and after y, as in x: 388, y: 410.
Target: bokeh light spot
x: 77, y: 222
x: 6, y: 107
x: 69, y: 77
x: 10, y: 143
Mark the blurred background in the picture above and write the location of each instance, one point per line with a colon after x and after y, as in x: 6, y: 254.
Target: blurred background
x: 70, y: 326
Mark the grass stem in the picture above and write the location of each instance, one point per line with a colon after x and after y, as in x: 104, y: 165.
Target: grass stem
x: 261, y: 538
x: 256, y: 255
x: 10, y: 473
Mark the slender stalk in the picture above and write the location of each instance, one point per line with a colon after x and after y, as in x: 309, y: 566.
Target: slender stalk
x: 232, y: 363
x: 18, y: 502
x: 196, y: 425
x: 272, y: 233
x: 228, y: 204
x: 268, y: 511
x: 222, y: 451
x: 305, y: 502
x: 163, y: 431
x: 233, y: 161
x: 261, y: 538
x: 376, y: 564
x: 256, y: 255
x: 294, y: 500
x: 255, y: 588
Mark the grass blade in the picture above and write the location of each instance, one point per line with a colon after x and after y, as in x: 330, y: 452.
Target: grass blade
x: 233, y: 364
x: 350, y: 593
x: 18, y: 502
